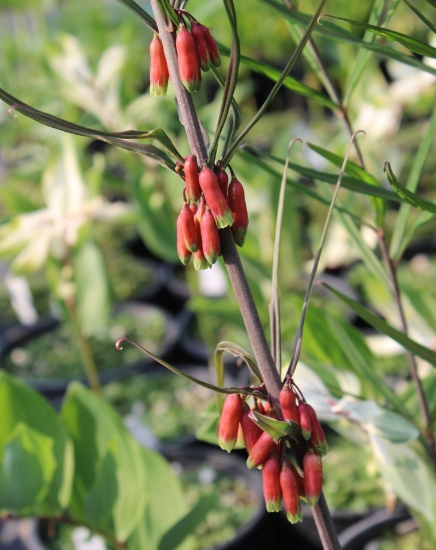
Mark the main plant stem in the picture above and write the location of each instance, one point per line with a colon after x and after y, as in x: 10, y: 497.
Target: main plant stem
x: 243, y: 294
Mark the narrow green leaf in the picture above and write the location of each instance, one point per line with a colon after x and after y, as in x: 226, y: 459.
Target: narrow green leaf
x: 119, y: 139
x: 420, y: 15
x: 238, y: 351
x: 187, y: 525
x: 235, y: 107
x: 276, y: 428
x: 137, y: 10
x: 219, y: 368
x: 289, y: 82
x: 384, y: 328
x: 336, y: 33
x: 411, y: 198
x: 411, y: 184
x: 293, y: 59
x: 412, y: 44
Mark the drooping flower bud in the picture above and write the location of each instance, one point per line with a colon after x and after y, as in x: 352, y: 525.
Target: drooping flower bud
x: 187, y: 59
x: 182, y: 251
x: 271, y: 483
x: 189, y: 231
x: 159, y: 74
x: 191, y: 178
x: 200, y: 46
x: 212, y: 48
x: 210, y: 238
x: 305, y: 423
x: 229, y: 422
x: 201, y: 209
x: 238, y: 206
x: 312, y: 467
x: 214, y: 198
x: 199, y: 259
x: 289, y: 405
x: 317, y: 437
x: 250, y: 431
x: 223, y: 180
x: 262, y: 448
x: 290, y: 491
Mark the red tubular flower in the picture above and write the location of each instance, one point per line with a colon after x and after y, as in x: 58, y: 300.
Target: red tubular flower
x: 289, y: 405
x: 305, y: 423
x: 271, y: 483
x: 317, y: 437
x: 223, y: 180
x: 238, y: 207
x: 250, y: 431
x: 212, y: 48
x: 291, y: 493
x: 229, y: 422
x: 188, y: 228
x: 312, y: 467
x: 200, y: 46
x: 210, y: 238
x: 214, y: 198
x: 187, y: 59
x: 191, y: 178
x: 201, y: 209
x: 261, y: 449
x: 182, y: 251
x: 199, y: 258
x: 159, y: 74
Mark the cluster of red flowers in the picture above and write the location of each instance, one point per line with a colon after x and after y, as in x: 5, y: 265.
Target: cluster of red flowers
x: 196, y: 52
x: 291, y: 468
x: 209, y: 203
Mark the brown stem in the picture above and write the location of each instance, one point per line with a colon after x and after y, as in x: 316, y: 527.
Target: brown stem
x: 232, y: 261
x: 324, y: 525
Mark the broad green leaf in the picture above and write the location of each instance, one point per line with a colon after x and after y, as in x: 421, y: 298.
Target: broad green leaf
x: 412, y: 44
x: 27, y: 469
x: 395, y: 429
x: 19, y: 404
x: 289, y: 82
x: 411, y: 184
x: 338, y: 34
x: 407, y: 195
x: 187, y: 525
x: 276, y: 428
x: 93, y: 425
x: 119, y: 139
x: 420, y: 15
x: 137, y: 10
x: 378, y: 323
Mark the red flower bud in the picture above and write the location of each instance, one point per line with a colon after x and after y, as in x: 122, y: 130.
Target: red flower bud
x: 305, y: 423
x: 250, y: 431
x: 271, y: 483
x: 214, y: 198
x: 182, y: 251
x: 262, y: 448
x: 317, y: 437
x: 210, y: 238
x: 312, y: 467
x: 199, y: 258
x: 229, y: 422
x: 212, y: 48
x: 200, y: 46
x: 191, y: 178
x: 188, y: 228
x: 223, y: 180
x: 289, y: 405
x: 159, y: 74
x: 238, y: 207
x: 291, y: 493
x: 187, y: 59
x: 201, y: 209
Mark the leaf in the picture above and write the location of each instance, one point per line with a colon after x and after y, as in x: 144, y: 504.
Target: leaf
x: 19, y: 404
x: 238, y: 351
x: 407, y: 195
x: 27, y: 470
x: 187, y: 525
x: 412, y: 44
x: 92, y: 288
x: 208, y: 430
x: 93, y: 425
x: 137, y: 10
x: 338, y: 34
x: 411, y: 184
x: 420, y: 15
x: 384, y: 328
x: 289, y: 82
x: 119, y: 139
x: 275, y: 428
x: 395, y: 429
x: 422, y: 219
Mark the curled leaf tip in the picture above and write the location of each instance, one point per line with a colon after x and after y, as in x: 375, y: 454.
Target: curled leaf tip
x: 319, y: 18
x: 11, y: 110
x: 118, y: 343
x: 385, y: 165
